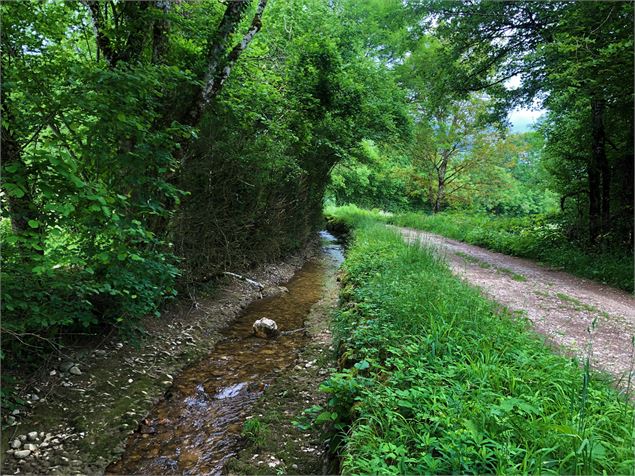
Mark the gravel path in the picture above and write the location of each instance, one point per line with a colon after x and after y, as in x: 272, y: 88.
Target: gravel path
x: 561, y: 306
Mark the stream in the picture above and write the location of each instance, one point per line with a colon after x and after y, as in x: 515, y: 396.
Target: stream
x: 197, y: 428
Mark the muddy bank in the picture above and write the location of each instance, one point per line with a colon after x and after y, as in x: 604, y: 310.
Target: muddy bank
x: 78, y: 422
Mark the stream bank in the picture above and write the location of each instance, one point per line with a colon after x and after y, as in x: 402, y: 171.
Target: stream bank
x: 79, y: 422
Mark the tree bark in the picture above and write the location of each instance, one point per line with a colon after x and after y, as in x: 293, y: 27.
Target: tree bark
x: 597, y: 163
x: 220, y: 64
x: 441, y: 171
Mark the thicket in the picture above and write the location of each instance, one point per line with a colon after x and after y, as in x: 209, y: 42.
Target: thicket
x: 148, y: 145
x: 435, y: 379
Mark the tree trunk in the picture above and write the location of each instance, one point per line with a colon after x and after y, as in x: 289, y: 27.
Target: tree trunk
x: 441, y: 171
x: 595, y: 169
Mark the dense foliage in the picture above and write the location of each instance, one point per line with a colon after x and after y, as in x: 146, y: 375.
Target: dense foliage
x: 147, y: 145
x: 437, y: 385
x: 464, y: 65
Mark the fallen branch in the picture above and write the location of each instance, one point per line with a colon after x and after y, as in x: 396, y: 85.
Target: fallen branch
x: 243, y: 278
x: 286, y: 333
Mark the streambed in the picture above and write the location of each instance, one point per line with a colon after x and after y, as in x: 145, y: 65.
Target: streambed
x: 196, y: 428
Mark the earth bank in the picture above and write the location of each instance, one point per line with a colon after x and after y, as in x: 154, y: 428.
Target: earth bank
x: 81, y: 408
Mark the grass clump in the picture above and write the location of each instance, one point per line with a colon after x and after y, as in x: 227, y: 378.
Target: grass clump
x: 533, y: 237
x: 434, y: 380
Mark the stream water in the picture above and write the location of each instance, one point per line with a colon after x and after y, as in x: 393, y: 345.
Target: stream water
x: 197, y: 427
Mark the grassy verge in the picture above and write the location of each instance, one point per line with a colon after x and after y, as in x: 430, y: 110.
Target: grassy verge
x: 528, y: 237
x: 434, y: 380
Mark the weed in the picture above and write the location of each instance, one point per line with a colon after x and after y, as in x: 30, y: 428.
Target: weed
x: 531, y: 237
x: 255, y: 431
x: 435, y: 379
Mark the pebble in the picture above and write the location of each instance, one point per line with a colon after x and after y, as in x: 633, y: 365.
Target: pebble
x: 21, y: 454
x: 100, y: 352
x: 52, y: 372
x: 32, y: 436
x: 15, y: 444
x: 75, y: 370
x: 11, y: 420
x: 22, y: 438
x: 119, y: 345
x: 30, y: 447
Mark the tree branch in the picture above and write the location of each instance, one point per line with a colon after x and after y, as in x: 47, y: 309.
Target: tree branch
x: 219, y: 67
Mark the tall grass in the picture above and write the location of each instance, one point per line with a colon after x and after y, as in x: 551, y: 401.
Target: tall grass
x: 435, y: 380
x: 529, y: 237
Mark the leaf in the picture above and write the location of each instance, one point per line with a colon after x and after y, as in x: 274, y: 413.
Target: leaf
x: 34, y: 223
x: 362, y: 365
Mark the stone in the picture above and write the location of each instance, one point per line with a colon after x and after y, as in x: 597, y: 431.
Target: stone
x: 52, y: 372
x: 100, y: 352
x: 30, y: 447
x: 11, y: 420
x: 75, y: 370
x: 34, y: 397
x: 273, y: 291
x: 32, y: 436
x: 265, y: 328
x: 22, y: 438
x: 21, y: 454
x: 15, y: 444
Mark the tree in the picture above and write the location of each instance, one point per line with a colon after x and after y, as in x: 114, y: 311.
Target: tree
x: 451, y: 142
x: 575, y: 50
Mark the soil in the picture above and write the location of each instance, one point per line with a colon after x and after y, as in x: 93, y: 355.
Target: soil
x: 78, y: 423
x: 577, y: 315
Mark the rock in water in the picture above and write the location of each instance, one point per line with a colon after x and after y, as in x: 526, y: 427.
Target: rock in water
x: 265, y: 328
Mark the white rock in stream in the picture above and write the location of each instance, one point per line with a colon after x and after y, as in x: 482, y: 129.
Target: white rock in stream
x: 21, y: 454
x: 265, y: 328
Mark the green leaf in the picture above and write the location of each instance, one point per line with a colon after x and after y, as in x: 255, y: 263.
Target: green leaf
x: 34, y: 223
x: 362, y: 365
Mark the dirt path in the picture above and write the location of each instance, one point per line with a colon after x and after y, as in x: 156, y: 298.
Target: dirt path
x: 560, y: 306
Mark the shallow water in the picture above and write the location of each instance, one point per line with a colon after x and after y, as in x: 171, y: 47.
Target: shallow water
x: 196, y: 429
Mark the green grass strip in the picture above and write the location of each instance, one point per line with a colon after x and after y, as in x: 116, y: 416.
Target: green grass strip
x: 435, y: 380
x: 528, y: 237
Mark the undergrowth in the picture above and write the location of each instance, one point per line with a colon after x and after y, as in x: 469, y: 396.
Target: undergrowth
x: 435, y: 380
x: 532, y: 237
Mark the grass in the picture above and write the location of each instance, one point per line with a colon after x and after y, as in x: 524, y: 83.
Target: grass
x: 528, y: 237
x: 434, y: 380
